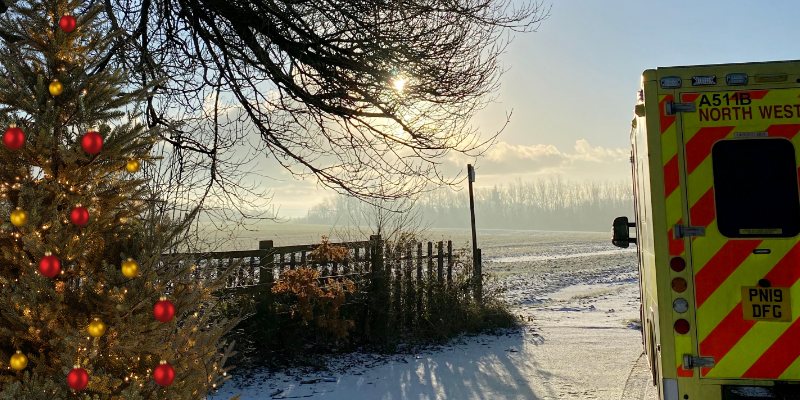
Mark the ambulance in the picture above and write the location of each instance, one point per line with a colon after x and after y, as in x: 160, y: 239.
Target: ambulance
x: 715, y: 157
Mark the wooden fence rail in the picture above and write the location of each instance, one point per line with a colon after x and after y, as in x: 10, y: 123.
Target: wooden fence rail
x: 401, y: 283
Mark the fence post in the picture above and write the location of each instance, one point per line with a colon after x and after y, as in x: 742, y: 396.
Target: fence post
x: 418, y: 286
x: 356, y: 262
x: 430, y: 277
x: 396, y: 277
x: 478, y: 276
x: 386, y: 286
x: 266, y: 263
x: 366, y: 270
x: 449, y: 262
x: 346, y: 266
x: 440, y: 262
x: 409, y: 300
x: 266, y: 277
x: 380, y: 303
x: 388, y: 264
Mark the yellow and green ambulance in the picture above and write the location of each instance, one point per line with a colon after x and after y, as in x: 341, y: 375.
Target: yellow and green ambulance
x: 715, y: 157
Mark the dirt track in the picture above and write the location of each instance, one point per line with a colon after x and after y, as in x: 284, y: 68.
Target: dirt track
x: 639, y: 384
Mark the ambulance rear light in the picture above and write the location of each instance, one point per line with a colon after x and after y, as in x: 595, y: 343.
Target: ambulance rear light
x: 677, y: 264
x: 771, y: 78
x: 682, y: 326
x: 679, y: 285
x: 680, y: 306
x: 670, y: 82
x: 736, y: 79
x: 704, y: 80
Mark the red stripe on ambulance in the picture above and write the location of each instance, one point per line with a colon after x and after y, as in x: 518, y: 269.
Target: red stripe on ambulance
x: 757, y: 94
x: 788, y: 131
x: 733, y: 328
x: 786, y: 272
x: 703, y: 212
x: 725, y: 335
x: 699, y: 146
x: 671, y: 178
x: 690, y: 97
x: 778, y: 357
x: 721, y: 266
x: 676, y: 246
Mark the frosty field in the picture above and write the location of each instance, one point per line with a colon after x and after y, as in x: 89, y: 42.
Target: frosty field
x: 577, y: 294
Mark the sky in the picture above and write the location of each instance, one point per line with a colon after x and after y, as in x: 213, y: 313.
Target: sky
x: 572, y: 84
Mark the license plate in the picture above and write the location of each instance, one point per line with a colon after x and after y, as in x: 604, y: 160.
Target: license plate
x: 766, y: 304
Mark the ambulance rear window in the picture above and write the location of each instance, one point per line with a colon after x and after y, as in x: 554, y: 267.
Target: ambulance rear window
x: 756, y: 188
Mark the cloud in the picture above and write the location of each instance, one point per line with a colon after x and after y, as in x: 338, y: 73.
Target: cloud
x: 506, y: 158
x: 584, y: 151
x: 585, y: 161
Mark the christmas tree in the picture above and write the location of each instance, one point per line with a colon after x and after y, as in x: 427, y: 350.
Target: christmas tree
x: 90, y: 305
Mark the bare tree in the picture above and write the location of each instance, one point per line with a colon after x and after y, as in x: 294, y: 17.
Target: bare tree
x: 366, y: 96
x: 396, y: 220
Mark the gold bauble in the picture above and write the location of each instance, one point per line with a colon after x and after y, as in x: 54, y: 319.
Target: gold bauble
x: 19, y: 361
x: 56, y: 88
x: 19, y: 217
x: 133, y: 166
x: 97, y: 328
x: 130, y: 268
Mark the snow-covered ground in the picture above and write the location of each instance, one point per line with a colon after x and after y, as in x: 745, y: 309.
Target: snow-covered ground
x: 578, y: 297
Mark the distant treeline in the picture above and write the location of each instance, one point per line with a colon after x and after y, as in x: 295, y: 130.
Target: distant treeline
x: 553, y: 204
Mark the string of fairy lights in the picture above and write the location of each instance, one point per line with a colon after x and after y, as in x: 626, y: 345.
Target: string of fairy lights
x: 50, y: 265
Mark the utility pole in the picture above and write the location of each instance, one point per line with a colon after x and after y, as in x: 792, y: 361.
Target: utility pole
x: 476, y: 252
x: 471, y: 174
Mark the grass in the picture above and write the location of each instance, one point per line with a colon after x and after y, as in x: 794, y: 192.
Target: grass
x: 276, y: 340
x: 633, y: 323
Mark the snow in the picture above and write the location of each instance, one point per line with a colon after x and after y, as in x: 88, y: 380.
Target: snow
x: 577, y: 342
x: 519, y: 258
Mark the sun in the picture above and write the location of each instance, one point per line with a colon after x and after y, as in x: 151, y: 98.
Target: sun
x: 399, y: 84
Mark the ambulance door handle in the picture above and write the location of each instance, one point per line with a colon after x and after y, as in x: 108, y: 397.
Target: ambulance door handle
x: 690, y: 361
x: 671, y: 107
x: 680, y: 231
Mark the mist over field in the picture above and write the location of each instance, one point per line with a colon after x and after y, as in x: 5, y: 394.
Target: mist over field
x: 552, y: 204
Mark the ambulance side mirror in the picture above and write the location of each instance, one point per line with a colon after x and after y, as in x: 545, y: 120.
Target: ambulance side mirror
x: 619, y: 232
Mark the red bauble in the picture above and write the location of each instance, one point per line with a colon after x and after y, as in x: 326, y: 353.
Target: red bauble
x: 67, y: 23
x: 164, y: 374
x: 78, y: 378
x: 79, y: 216
x: 164, y: 310
x: 14, y: 138
x: 49, y: 265
x: 92, y: 142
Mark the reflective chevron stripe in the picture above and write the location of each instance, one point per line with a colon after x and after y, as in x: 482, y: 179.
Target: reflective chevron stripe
x: 669, y: 154
x: 721, y: 265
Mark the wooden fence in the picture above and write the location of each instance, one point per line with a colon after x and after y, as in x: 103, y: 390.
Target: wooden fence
x: 401, y: 282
